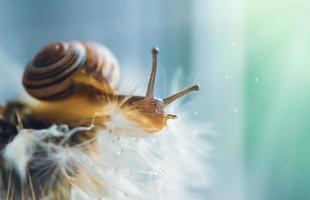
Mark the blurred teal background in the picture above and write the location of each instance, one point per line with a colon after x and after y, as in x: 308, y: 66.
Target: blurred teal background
x: 250, y: 57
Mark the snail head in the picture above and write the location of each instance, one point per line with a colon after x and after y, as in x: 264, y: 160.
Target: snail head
x: 150, y: 111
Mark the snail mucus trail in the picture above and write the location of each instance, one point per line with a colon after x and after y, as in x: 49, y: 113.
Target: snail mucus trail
x: 88, y: 85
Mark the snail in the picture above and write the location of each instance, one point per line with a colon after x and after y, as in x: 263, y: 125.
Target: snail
x: 74, y: 80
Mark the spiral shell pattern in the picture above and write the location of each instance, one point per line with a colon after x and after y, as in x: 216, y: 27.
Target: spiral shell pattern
x: 50, y: 75
x: 47, y: 76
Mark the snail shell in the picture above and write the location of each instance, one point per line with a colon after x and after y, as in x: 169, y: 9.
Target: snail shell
x: 101, y: 65
x: 60, y: 68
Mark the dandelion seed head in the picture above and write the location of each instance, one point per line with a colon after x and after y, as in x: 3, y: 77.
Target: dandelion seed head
x: 121, y: 162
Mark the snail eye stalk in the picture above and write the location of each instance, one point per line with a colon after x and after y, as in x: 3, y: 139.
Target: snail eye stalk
x: 151, y: 84
x: 172, y: 98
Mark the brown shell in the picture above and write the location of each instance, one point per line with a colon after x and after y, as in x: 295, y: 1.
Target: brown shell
x: 51, y: 75
x: 101, y: 65
x: 47, y: 76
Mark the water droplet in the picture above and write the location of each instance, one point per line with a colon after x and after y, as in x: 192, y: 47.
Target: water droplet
x: 232, y: 44
x: 226, y: 77
x: 256, y: 79
x: 196, y: 112
x: 235, y: 110
x: 63, y: 128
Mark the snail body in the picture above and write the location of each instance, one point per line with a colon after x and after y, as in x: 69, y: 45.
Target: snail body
x: 68, y: 77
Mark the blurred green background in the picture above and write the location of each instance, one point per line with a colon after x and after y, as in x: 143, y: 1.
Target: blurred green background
x: 250, y: 57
